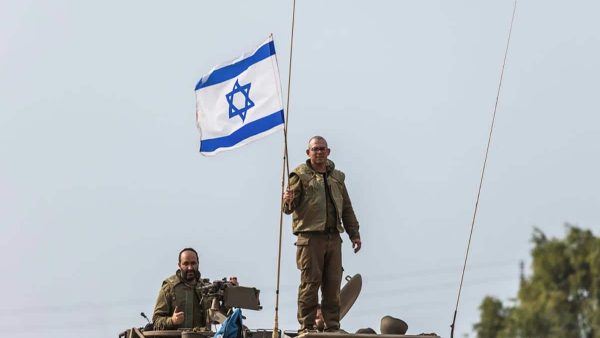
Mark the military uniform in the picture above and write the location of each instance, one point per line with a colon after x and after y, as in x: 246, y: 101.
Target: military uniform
x: 321, y: 210
x: 174, y: 292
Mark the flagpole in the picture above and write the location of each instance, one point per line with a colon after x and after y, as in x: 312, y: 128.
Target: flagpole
x: 285, y: 170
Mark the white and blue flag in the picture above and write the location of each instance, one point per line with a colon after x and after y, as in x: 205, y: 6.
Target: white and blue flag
x: 240, y: 101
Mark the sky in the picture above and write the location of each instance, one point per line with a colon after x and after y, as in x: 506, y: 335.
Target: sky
x: 101, y: 182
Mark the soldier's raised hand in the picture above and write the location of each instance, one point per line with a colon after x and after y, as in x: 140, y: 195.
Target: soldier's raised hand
x: 178, y: 316
x: 288, y: 196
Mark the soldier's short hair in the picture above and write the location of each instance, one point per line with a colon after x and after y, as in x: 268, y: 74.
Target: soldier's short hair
x: 188, y: 249
x: 316, y: 137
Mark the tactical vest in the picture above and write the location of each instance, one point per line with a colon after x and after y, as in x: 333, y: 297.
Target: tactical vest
x: 310, y: 214
x: 191, y: 298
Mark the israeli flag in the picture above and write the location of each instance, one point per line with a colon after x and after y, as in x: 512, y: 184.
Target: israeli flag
x: 240, y: 101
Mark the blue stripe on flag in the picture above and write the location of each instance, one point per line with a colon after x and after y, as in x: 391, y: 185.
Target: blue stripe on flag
x: 249, y: 130
x: 233, y: 70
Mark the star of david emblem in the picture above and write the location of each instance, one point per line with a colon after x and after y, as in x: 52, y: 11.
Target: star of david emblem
x: 239, y: 90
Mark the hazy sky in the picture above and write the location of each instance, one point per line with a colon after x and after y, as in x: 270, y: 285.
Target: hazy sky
x: 101, y: 182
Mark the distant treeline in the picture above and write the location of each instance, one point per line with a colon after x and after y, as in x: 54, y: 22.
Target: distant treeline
x: 561, y: 297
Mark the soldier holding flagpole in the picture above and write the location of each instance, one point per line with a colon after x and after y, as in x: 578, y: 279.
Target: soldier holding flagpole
x: 321, y: 209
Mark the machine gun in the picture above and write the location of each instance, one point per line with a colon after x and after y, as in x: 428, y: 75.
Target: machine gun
x: 226, y: 294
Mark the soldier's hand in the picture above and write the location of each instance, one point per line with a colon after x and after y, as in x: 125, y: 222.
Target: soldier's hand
x: 178, y: 316
x: 288, y: 196
x: 356, y: 244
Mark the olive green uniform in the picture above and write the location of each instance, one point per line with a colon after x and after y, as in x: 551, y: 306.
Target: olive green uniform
x: 321, y: 210
x: 174, y: 292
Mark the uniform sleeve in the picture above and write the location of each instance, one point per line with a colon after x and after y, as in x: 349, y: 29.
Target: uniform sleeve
x: 162, y: 312
x: 295, y: 185
x: 348, y: 217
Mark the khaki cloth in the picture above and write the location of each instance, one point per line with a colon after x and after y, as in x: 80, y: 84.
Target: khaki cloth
x: 319, y: 259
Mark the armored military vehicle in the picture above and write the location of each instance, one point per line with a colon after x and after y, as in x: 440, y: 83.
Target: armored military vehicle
x: 224, y: 295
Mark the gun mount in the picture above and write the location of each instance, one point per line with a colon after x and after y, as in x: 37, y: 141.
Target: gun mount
x: 231, y: 295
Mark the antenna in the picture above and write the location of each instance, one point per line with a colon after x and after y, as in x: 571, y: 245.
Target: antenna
x: 522, y: 271
x: 483, y: 171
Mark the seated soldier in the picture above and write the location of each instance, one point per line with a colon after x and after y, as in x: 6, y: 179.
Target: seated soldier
x: 180, y: 302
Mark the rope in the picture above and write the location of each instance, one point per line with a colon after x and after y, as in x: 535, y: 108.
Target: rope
x: 483, y: 171
x: 285, y: 170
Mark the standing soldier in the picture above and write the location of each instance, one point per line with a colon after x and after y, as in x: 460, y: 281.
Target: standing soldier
x: 321, y: 208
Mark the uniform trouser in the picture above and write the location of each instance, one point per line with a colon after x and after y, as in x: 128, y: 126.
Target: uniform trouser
x: 319, y: 259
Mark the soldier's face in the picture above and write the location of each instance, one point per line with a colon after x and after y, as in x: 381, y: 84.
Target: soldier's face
x: 318, y: 151
x: 188, y: 264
